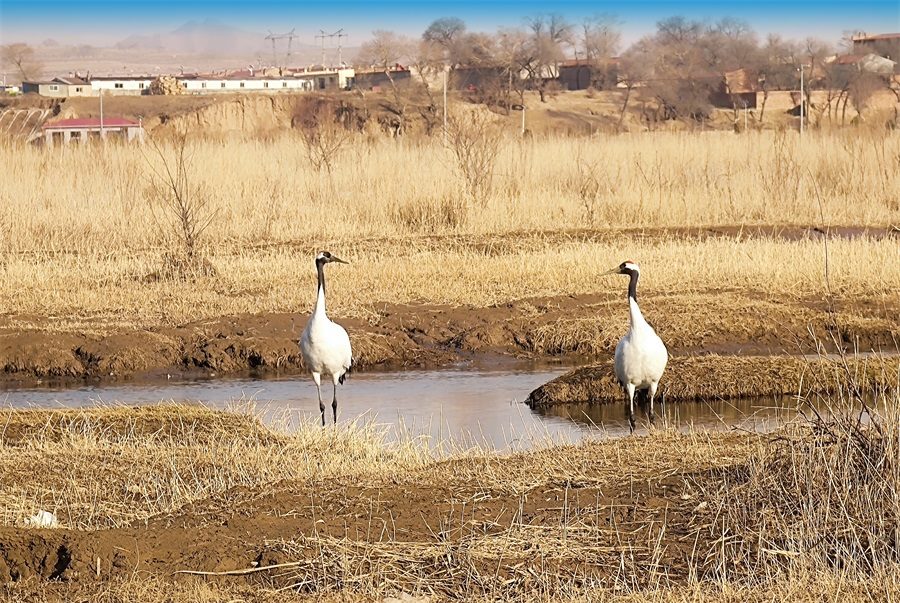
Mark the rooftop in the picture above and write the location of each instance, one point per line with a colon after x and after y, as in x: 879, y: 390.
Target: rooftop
x: 874, y: 37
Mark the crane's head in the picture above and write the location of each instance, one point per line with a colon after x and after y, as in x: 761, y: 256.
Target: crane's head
x: 627, y: 267
x: 325, y: 257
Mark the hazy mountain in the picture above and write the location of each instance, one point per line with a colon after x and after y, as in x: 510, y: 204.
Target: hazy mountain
x: 207, y: 37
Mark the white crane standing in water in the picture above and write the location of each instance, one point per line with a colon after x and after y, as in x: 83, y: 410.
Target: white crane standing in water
x: 641, y: 355
x: 325, y: 345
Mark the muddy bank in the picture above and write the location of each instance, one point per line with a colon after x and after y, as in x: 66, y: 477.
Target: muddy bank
x: 708, y: 377
x: 549, y: 520
x: 578, y: 328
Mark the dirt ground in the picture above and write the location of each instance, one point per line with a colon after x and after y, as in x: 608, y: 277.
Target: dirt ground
x: 574, y: 328
x: 594, y: 515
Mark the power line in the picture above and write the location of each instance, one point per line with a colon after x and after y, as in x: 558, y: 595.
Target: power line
x: 290, y: 38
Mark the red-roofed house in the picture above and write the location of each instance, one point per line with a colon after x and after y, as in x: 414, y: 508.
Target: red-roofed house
x: 83, y: 127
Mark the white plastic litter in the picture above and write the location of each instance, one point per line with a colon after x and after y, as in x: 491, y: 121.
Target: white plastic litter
x: 42, y: 519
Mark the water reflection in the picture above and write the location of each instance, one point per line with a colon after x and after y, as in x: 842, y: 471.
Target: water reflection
x: 473, y: 406
x: 751, y: 414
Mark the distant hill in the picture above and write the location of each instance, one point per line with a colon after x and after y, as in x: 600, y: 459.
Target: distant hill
x: 207, y: 45
x: 198, y: 37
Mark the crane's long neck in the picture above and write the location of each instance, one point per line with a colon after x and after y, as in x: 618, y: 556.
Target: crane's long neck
x: 634, y: 310
x: 320, y: 294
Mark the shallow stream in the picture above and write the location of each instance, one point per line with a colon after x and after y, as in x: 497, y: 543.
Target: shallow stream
x: 473, y: 405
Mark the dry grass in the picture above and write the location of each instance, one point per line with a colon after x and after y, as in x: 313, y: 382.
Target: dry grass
x: 799, y: 587
x: 78, y: 238
x: 93, y: 292
x: 112, y: 466
x: 74, y: 199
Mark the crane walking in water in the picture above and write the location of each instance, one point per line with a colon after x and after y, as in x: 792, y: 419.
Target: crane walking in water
x: 325, y: 345
x: 641, y: 355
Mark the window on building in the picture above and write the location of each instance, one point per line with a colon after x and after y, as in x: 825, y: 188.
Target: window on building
x: 284, y: 84
x: 203, y: 84
x: 119, y: 85
x: 265, y: 84
x: 141, y: 85
x: 222, y: 85
x: 242, y: 84
x: 54, y: 87
x: 321, y: 83
x: 77, y: 88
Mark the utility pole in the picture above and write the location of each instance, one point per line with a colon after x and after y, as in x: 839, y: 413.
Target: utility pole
x: 802, y: 100
x: 321, y: 36
x: 445, y: 101
x: 102, y: 132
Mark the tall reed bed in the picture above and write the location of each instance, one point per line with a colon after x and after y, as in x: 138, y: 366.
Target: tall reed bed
x: 98, y: 200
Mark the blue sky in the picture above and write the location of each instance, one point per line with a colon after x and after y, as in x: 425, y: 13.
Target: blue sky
x: 102, y: 22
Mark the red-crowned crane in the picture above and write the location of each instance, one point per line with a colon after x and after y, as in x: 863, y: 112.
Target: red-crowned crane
x: 325, y: 345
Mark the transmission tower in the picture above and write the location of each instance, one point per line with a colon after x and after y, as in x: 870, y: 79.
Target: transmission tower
x: 321, y: 36
x: 339, y: 34
x: 289, y: 36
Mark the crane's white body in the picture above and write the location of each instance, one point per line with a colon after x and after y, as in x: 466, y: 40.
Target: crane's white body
x: 324, y: 344
x: 641, y: 356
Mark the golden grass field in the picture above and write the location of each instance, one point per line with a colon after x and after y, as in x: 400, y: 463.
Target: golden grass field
x: 79, y: 235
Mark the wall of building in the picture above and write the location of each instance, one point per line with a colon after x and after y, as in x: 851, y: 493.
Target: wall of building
x: 123, y: 86
x: 212, y: 86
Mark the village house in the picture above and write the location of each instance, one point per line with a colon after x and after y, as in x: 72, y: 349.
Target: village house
x: 60, y: 87
x: 249, y: 80
x: 85, y: 128
x: 581, y: 74
x: 885, y: 45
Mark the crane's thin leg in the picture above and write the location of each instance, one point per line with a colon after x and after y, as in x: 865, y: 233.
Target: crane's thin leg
x: 653, y: 387
x: 629, y: 389
x: 318, y: 379
x: 334, y: 403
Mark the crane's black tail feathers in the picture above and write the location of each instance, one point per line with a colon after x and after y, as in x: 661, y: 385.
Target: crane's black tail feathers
x: 347, y: 372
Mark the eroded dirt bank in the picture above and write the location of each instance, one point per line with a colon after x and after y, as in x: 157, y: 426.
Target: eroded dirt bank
x: 543, y: 521
x: 715, y: 377
x: 584, y: 327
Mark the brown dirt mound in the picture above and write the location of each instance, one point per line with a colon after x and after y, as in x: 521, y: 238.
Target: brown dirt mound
x: 708, y: 377
x: 401, y: 335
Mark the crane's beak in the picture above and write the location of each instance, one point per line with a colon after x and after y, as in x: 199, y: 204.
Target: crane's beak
x: 334, y: 258
x: 611, y: 271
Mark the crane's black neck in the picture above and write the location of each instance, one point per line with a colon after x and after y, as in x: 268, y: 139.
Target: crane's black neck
x: 632, y: 284
x: 320, y: 271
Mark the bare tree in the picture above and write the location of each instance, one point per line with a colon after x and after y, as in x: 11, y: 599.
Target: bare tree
x: 549, y: 36
x: 384, y: 51
x: 778, y: 68
x: 324, y: 138
x: 600, y: 39
x: 185, y: 205
x: 21, y: 58
x: 512, y: 56
x: 634, y: 70
x: 680, y: 78
x: 447, y: 34
x: 474, y: 140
